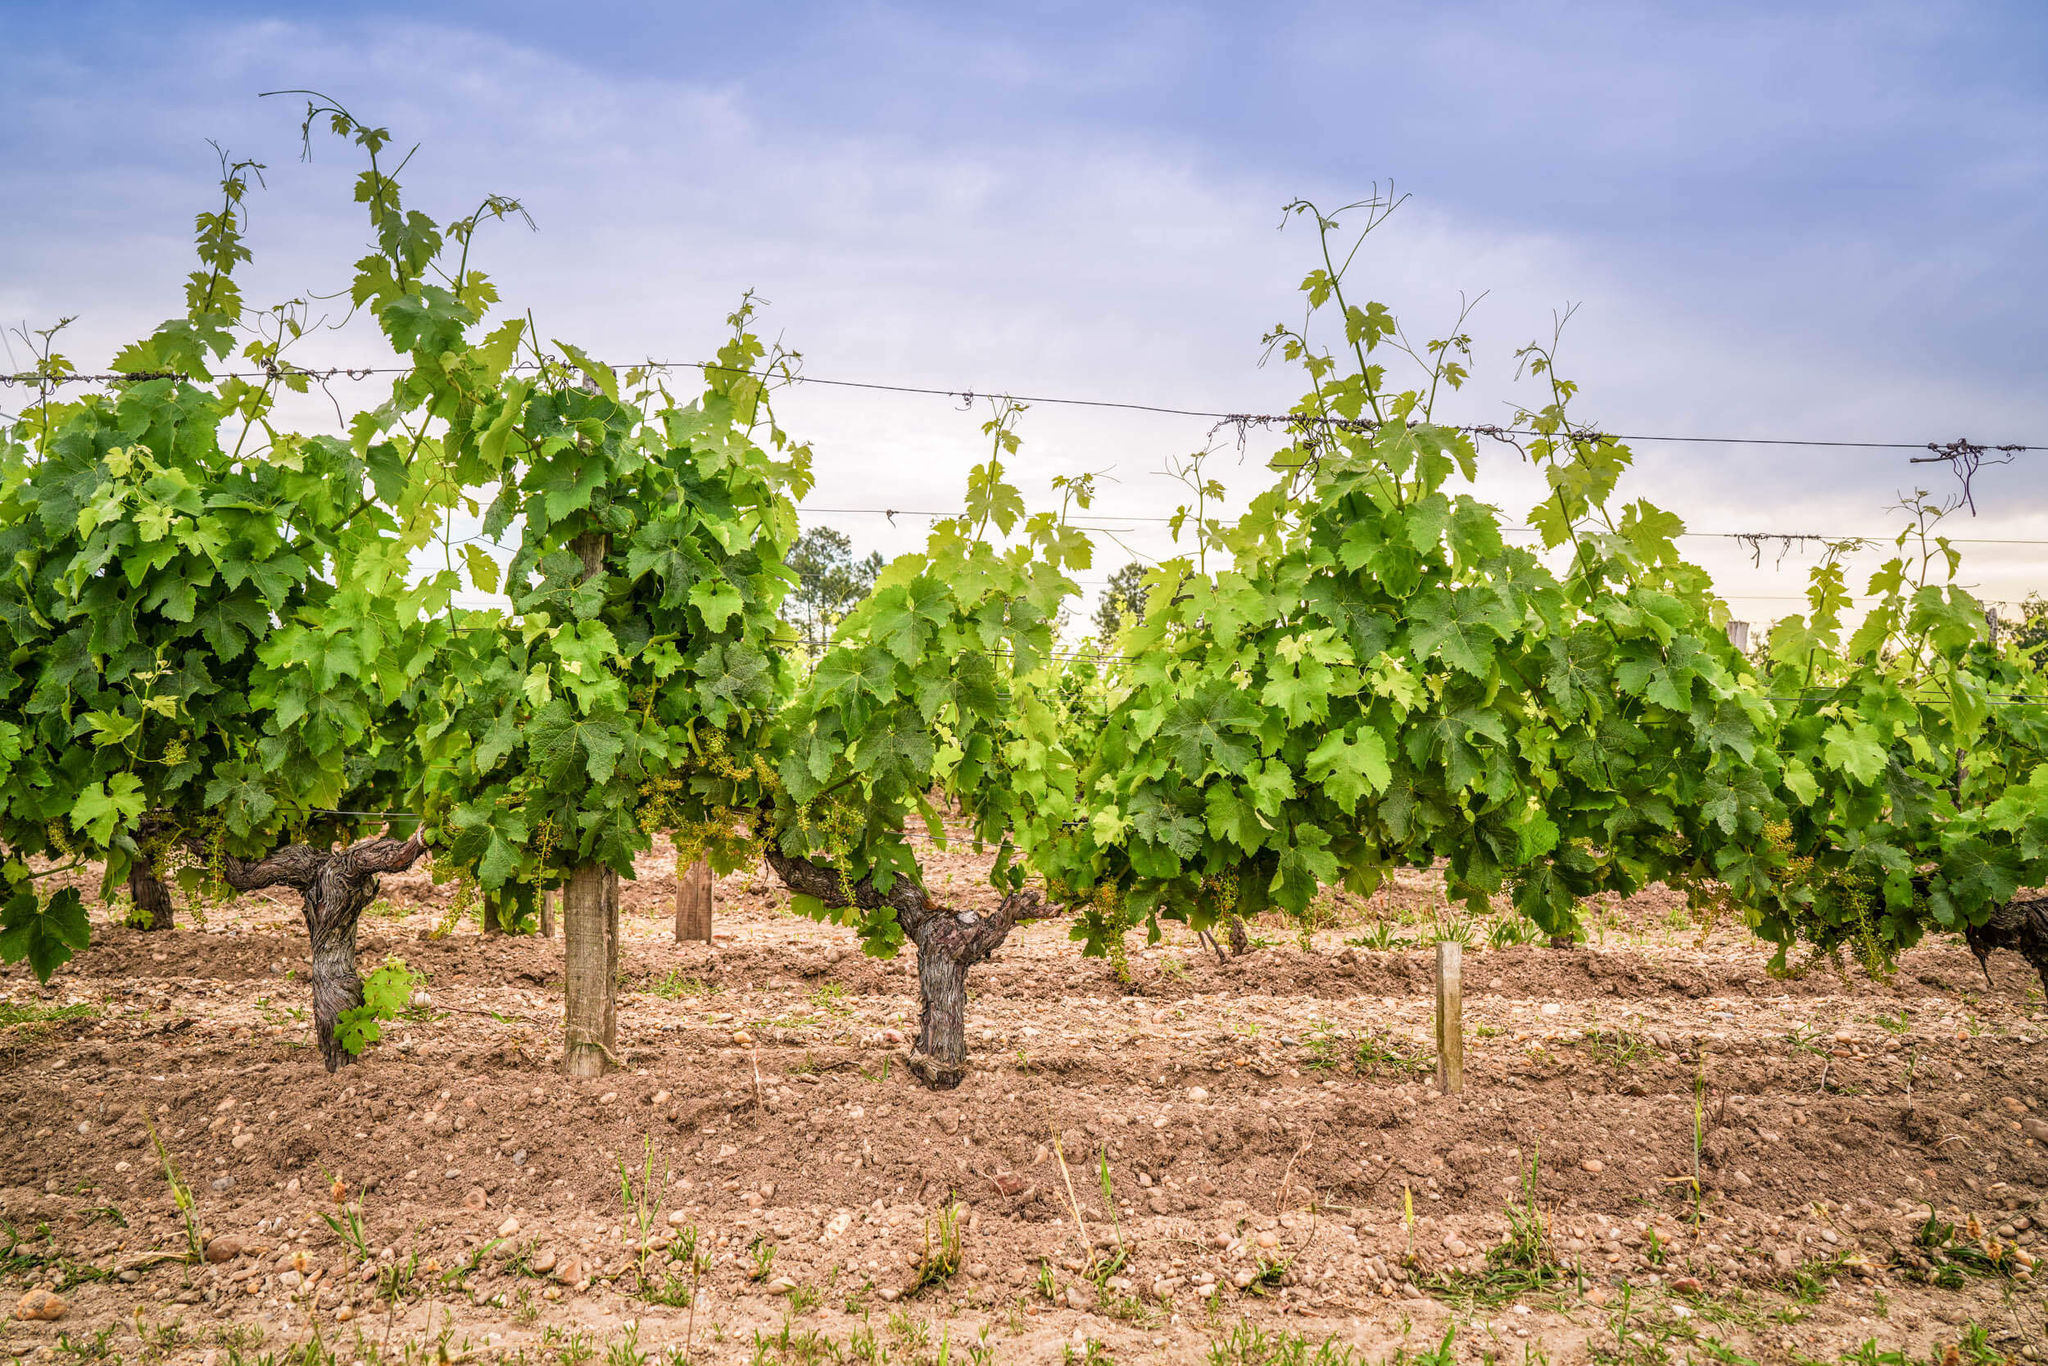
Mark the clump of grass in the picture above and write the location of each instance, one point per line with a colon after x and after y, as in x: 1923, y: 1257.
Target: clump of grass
x: 1453, y: 929
x: 912, y: 1335
x: 571, y: 1348
x: 797, y: 1347
x: 675, y: 985
x: 941, y: 1257
x: 624, y: 1350
x: 1379, y: 937
x: 28, y: 1012
x: 181, y: 1195
x: 640, y: 1205
x: 1377, y: 1051
x: 1270, y: 1273
x: 1521, y: 1263
x: 1251, y: 1345
x: 1944, y: 1254
x: 1511, y: 931
x: 1618, y: 1047
x: 688, y: 1260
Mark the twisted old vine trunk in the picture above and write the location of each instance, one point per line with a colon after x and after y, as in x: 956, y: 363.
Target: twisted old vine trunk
x: 335, y: 886
x: 153, y: 906
x: 948, y: 944
x: 2021, y: 926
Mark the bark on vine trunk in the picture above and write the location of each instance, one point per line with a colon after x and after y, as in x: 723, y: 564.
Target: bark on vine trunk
x: 590, y: 970
x: 335, y: 886
x: 948, y: 944
x: 2021, y: 926
x: 507, y: 907
x: 154, y: 909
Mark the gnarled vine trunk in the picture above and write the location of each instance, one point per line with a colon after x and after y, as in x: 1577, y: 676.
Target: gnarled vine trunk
x: 1240, y: 940
x: 335, y: 887
x: 948, y: 944
x: 2021, y: 926
x: 590, y: 970
x: 506, y: 909
x: 154, y: 909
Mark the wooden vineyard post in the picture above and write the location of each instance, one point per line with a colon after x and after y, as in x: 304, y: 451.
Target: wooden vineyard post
x: 590, y: 970
x: 547, y: 914
x: 693, y: 904
x: 590, y: 926
x: 1450, y: 1017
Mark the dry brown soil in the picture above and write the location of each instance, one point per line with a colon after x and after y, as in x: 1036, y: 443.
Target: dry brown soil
x: 1278, y: 1159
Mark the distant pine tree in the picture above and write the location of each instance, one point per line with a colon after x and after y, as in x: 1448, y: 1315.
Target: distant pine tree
x: 829, y: 584
x: 1125, y: 596
x: 2030, y: 634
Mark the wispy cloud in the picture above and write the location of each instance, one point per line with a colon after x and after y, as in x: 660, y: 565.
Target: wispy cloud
x: 1816, y: 224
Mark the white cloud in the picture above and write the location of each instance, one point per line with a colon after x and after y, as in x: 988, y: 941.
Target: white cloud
x: 1100, y: 265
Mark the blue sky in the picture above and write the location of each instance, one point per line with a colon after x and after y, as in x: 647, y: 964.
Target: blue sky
x: 1811, y: 219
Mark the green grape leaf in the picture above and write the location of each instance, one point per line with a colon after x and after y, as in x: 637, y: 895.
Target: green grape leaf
x: 1852, y: 749
x: 103, y: 806
x: 1460, y: 627
x: 1201, y: 733
x: 1350, y: 766
x: 46, y: 933
x: 718, y: 602
x: 567, y: 749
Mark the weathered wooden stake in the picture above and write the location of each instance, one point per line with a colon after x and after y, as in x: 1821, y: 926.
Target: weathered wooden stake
x: 590, y: 970
x: 547, y: 914
x: 693, y: 904
x: 1450, y: 1017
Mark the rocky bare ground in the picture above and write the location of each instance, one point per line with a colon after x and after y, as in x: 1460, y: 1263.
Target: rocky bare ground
x: 1714, y: 1158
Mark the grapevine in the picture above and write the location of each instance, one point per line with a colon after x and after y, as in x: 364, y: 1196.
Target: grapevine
x: 1357, y: 674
